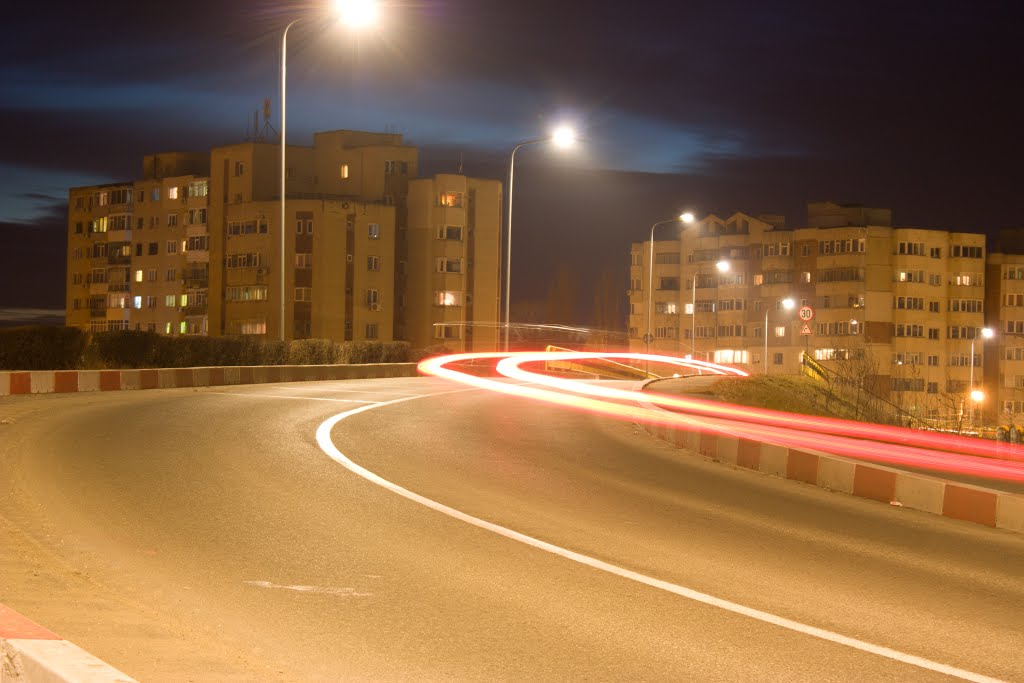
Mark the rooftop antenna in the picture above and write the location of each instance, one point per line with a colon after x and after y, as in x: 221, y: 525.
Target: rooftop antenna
x: 460, y: 163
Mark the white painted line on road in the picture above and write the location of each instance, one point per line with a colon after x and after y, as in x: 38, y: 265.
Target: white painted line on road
x: 346, y: 592
x: 323, y: 437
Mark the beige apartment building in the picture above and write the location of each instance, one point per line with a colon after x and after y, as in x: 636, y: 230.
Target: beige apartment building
x: 195, y: 247
x: 902, y: 307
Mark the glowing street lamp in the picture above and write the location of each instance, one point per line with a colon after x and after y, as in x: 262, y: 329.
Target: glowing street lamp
x: 986, y: 333
x: 562, y: 137
x: 686, y: 217
x: 353, y: 13
x: 787, y: 305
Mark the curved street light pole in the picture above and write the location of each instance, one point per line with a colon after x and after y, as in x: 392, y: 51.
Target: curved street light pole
x: 648, y: 338
x: 284, y: 147
x: 562, y: 137
x: 508, y: 248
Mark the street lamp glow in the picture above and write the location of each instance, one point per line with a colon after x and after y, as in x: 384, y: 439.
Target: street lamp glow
x: 788, y: 304
x: 723, y: 266
x: 977, y: 395
x: 987, y: 332
x: 356, y: 13
x: 563, y: 137
x: 686, y: 217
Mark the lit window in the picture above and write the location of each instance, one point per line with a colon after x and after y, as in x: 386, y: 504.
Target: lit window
x: 138, y: 277
x: 169, y: 303
x: 172, y: 192
x: 373, y: 231
x: 184, y: 300
x: 138, y: 302
x: 344, y: 171
x: 447, y: 298
x: 780, y: 331
x: 182, y: 327
x: 452, y: 199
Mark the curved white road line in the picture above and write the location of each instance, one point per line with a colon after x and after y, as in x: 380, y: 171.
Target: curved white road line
x: 323, y: 437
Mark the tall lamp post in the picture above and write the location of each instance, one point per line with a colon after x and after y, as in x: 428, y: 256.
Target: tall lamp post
x: 687, y: 218
x: 787, y: 304
x: 355, y: 13
x: 975, y: 396
x: 721, y: 267
x: 562, y: 137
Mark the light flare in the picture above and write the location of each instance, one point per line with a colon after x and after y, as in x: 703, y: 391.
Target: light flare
x: 877, y: 443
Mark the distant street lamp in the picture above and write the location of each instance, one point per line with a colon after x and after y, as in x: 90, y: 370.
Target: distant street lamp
x: 354, y: 13
x: 685, y: 217
x: 561, y: 137
x: 721, y: 267
x: 787, y: 304
x: 986, y: 333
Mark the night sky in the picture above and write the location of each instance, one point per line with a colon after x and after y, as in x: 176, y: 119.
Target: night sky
x: 717, y: 106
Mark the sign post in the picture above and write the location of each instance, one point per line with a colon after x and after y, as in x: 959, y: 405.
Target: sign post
x: 806, y: 315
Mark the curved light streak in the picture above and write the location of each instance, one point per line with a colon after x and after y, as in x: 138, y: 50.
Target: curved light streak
x: 877, y: 443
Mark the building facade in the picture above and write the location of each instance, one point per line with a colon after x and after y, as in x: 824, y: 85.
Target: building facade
x: 903, y: 308
x: 195, y: 246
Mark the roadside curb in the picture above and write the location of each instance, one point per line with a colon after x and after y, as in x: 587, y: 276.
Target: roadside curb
x: 71, y: 381
x: 998, y: 509
x: 30, y: 653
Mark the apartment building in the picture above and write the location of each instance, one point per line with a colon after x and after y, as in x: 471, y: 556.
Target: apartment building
x: 129, y: 260
x: 195, y: 247
x: 1004, y: 315
x: 455, y: 229
x: 902, y: 307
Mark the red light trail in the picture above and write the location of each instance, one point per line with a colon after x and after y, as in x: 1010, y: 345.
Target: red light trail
x: 877, y: 443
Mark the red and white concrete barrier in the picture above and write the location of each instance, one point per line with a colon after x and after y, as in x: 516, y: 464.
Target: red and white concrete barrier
x: 866, y: 480
x: 30, y: 653
x: 68, y: 381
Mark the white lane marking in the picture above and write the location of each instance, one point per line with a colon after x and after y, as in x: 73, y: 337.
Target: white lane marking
x: 346, y: 592
x: 323, y: 437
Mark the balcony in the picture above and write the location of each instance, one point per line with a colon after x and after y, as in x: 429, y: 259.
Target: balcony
x: 197, y: 256
x: 119, y: 259
x: 119, y: 236
x: 196, y: 230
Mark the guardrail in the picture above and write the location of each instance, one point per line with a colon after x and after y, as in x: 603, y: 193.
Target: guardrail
x: 70, y: 381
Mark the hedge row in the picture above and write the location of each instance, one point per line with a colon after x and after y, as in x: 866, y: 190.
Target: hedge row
x: 69, y: 348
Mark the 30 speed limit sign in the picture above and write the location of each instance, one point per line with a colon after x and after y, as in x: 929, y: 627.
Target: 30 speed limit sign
x: 806, y: 313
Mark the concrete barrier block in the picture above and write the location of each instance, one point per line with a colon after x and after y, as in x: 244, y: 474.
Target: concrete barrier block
x: 774, y: 459
x: 874, y: 483
x: 1010, y: 512
x: 167, y: 378
x: 42, y: 381
x: 247, y: 375
x: 970, y: 504
x: 88, y: 380
x: 748, y: 454
x: 835, y: 474
x: 65, y: 381
x: 21, y: 382
x: 728, y: 449
x: 149, y: 379
x: 708, y: 444
x: 5, y: 383
x: 184, y: 377
x: 232, y: 375
x: 110, y: 380
x: 215, y: 377
x: 802, y: 466
x: 200, y: 377
x: 131, y: 379
x: 920, y: 492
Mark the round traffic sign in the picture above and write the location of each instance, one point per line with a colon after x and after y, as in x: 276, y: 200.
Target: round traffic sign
x: 806, y: 313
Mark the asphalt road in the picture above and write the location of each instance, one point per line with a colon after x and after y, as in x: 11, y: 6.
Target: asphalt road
x: 205, y: 535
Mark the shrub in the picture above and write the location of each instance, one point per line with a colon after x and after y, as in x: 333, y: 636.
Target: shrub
x: 41, y: 347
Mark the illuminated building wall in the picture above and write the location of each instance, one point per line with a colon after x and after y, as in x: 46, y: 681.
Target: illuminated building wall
x: 897, y: 306
x: 453, y: 265
x: 194, y: 247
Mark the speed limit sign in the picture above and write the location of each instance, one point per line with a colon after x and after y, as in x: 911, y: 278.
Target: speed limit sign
x: 806, y: 313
